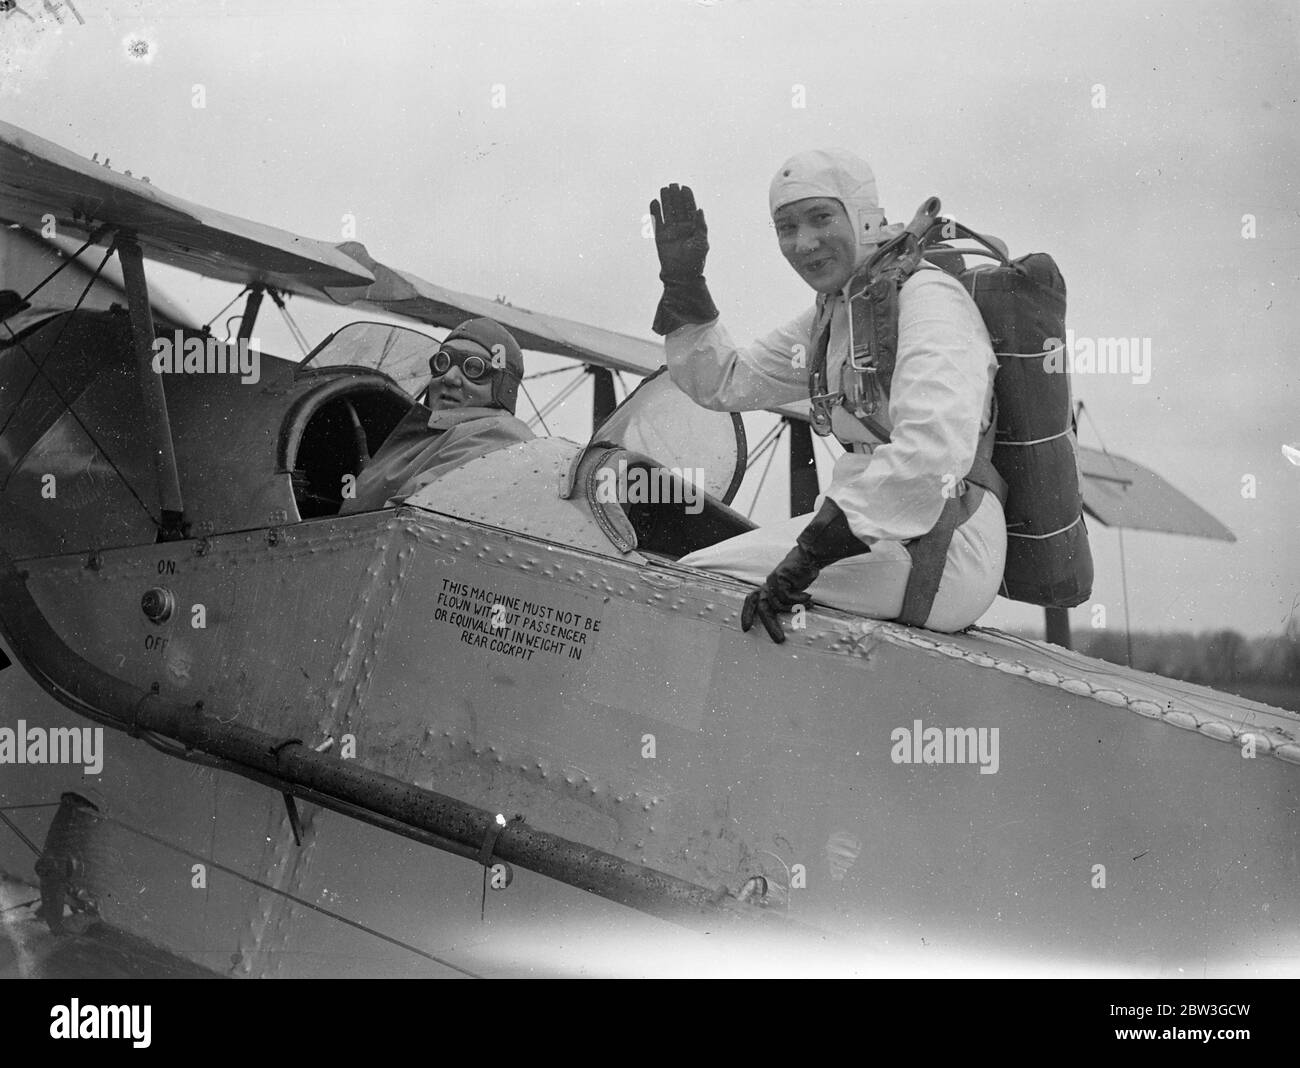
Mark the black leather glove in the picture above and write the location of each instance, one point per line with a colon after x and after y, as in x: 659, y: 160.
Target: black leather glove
x: 682, y: 239
x: 823, y: 541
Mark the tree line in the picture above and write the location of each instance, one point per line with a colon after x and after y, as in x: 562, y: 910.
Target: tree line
x: 1266, y: 668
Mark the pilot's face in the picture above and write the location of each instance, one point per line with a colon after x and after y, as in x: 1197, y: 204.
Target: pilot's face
x: 455, y: 389
x: 818, y: 241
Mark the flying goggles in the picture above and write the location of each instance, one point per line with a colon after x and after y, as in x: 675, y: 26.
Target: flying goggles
x: 473, y: 366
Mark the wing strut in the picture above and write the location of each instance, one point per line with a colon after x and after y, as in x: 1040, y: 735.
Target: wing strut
x: 251, y: 307
x: 804, y: 487
x: 157, y: 426
x: 603, y: 401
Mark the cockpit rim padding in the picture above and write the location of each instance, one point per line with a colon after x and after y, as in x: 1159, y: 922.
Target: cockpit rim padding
x: 596, y: 442
x: 338, y: 381
x: 618, y: 520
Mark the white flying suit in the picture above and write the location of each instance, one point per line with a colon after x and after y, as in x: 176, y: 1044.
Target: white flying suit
x: 940, y: 401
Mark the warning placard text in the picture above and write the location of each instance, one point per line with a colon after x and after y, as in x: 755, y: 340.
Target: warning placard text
x: 511, y: 626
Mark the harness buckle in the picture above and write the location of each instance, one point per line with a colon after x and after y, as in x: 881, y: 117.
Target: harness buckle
x: 823, y: 406
x: 864, y: 392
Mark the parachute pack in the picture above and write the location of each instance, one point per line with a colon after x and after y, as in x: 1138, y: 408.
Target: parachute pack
x: 1022, y: 302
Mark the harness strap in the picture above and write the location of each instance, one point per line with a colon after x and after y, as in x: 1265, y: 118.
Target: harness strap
x: 874, y: 294
x: 818, y: 391
x: 984, y: 474
x: 929, y: 552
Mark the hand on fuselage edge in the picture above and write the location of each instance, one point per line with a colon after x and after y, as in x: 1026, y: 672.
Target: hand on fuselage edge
x: 825, y: 540
x: 782, y: 590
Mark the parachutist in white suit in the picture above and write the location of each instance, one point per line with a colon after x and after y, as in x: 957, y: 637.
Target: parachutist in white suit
x: 886, y: 491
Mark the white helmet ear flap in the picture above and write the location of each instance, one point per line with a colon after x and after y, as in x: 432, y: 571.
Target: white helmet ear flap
x: 870, y: 223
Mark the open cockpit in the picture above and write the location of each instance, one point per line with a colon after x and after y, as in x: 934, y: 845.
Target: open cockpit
x: 655, y: 478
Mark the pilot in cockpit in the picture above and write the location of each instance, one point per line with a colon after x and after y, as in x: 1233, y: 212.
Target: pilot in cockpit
x: 469, y: 412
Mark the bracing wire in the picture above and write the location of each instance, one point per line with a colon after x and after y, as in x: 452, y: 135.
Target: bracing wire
x: 67, y: 406
x: 298, y: 336
x: 303, y: 902
x: 540, y: 418
x: 66, y: 262
x: 780, y: 430
x: 22, y: 837
x: 558, y: 399
x: 208, y: 325
x: 236, y: 874
x: 547, y: 374
x: 564, y: 394
x: 23, y: 396
x: 763, y: 445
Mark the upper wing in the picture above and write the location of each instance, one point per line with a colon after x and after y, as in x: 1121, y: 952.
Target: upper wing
x: 39, y: 179
x: 396, y: 292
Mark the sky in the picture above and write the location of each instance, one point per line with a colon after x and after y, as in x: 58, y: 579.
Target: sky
x: 511, y: 149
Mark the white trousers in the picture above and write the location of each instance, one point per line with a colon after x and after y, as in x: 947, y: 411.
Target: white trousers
x: 873, y: 584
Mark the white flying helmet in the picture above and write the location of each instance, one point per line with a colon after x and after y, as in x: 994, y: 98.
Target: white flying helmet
x: 842, y: 176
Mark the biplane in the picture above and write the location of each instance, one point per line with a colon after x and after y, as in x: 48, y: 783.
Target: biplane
x: 499, y: 729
